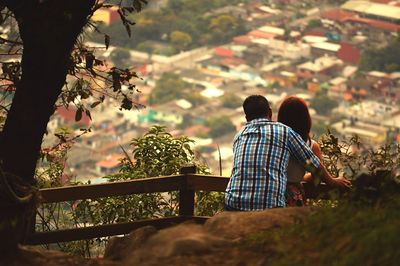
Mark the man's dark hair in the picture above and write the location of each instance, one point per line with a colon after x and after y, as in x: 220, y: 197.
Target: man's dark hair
x: 256, y: 106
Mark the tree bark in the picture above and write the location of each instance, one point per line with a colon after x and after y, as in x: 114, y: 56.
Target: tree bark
x: 48, y: 30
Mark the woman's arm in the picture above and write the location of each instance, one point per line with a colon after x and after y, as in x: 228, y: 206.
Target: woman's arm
x: 323, y: 172
x: 317, y: 151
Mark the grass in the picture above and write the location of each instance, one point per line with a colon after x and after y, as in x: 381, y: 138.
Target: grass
x: 349, y: 234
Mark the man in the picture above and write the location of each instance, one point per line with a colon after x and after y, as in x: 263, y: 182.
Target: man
x: 261, y: 154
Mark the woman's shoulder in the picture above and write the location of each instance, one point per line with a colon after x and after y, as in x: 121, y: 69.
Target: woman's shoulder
x: 315, y: 148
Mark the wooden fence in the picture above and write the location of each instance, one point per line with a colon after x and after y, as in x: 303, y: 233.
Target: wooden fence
x: 186, y: 183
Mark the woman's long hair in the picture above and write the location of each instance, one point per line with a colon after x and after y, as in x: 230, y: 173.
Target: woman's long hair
x: 294, y: 113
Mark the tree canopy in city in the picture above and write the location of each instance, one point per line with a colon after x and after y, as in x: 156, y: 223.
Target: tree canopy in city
x: 384, y: 59
x: 42, y: 49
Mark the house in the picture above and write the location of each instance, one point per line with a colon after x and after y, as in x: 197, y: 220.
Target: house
x: 337, y: 87
x: 348, y: 53
x: 67, y: 116
x: 109, y: 165
x: 323, y: 65
x: 359, y: 88
x: 284, y: 76
x: 324, y: 48
x: 368, y: 133
x: 108, y: 16
x: 373, y: 10
x: 288, y: 50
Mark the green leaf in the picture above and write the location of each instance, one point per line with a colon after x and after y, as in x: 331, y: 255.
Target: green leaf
x: 106, y: 41
x: 87, y: 112
x: 78, y: 114
x: 93, y: 105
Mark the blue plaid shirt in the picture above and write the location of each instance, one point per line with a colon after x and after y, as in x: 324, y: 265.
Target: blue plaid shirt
x: 261, y: 154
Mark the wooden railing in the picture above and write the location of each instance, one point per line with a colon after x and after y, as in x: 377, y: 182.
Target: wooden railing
x: 186, y: 183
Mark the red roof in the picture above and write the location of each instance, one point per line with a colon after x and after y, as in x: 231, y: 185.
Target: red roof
x: 224, y: 52
x: 261, y: 34
x: 337, y: 14
x: 382, y: 1
x: 376, y: 24
x: 348, y: 53
x: 111, y: 161
x: 193, y: 130
x: 314, y: 33
x: 69, y: 116
x: 242, y: 39
x: 231, y: 61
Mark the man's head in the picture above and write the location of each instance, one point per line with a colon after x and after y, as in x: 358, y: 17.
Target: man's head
x: 256, y: 106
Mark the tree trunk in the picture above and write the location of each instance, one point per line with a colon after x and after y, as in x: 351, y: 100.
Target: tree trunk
x: 48, y: 31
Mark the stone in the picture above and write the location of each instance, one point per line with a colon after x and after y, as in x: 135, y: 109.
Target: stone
x: 233, y: 225
x: 121, y: 247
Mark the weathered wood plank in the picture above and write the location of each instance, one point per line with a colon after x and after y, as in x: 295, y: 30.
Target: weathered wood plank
x: 106, y: 230
x: 207, y: 182
x: 137, y: 186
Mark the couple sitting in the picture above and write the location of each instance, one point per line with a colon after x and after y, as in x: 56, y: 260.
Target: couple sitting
x: 270, y: 158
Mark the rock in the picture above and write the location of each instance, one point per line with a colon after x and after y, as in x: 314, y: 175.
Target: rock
x: 121, y: 247
x: 233, y: 225
x: 188, y: 241
x: 35, y: 256
x: 184, y: 239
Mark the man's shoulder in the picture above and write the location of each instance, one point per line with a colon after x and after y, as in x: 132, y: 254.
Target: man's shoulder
x: 280, y: 126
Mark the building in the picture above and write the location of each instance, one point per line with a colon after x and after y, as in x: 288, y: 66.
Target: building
x: 322, y: 65
x: 109, y: 165
x: 372, y: 10
x: 288, y: 50
x: 106, y: 15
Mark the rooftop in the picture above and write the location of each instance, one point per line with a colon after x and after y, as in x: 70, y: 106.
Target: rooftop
x: 371, y: 8
x: 333, y: 47
x: 320, y: 63
x: 111, y: 161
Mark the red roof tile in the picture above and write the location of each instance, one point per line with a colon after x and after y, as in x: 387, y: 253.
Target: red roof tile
x: 242, y: 39
x: 224, y: 52
x: 337, y: 14
x: 261, y: 34
x: 111, y: 161
x: 348, y: 53
x: 69, y: 116
x: 193, y: 130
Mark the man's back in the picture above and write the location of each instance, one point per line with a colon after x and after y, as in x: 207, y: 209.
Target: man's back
x: 261, y: 154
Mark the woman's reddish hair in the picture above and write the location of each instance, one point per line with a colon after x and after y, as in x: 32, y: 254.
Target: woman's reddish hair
x: 294, y: 113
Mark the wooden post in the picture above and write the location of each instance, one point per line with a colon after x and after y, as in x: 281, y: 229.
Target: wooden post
x: 186, y: 196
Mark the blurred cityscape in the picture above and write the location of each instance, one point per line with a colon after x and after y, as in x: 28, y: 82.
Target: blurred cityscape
x: 198, y: 61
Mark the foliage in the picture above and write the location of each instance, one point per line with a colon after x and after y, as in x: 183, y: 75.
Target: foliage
x: 220, y: 126
x: 180, y: 39
x: 78, y: 92
x: 120, y: 57
x: 169, y: 87
x: 323, y: 104
x: 156, y: 153
x: 374, y: 172
x: 382, y: 59
x: 191, y: 17
x: 350, y: 157
x: 314, y: 23
x: 231, y: 101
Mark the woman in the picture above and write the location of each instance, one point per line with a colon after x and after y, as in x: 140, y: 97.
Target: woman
x: 294, y: 113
